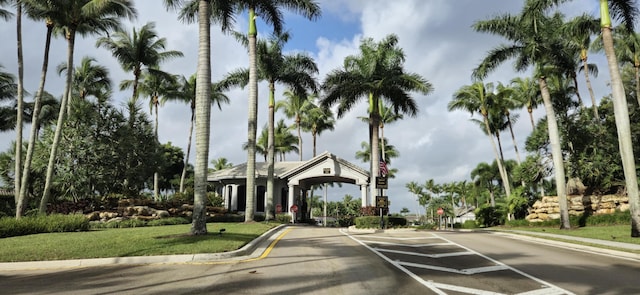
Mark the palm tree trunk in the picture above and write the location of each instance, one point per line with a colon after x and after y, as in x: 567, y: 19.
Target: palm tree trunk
x: 530, y: 111
x: 575, y: 84
x: 271, y: 150
x: 556, y: 154
x: 20, y: 205
x: 20, y: 107
x: 203, y: 111
x: 503, y: 173
x: 56, y: 137
x: 299, y: 136
x: 513, y: 138
x: 313, y: 135
x: 253, y: 119
x: 594, y: 105
x: 186, y: 158
x: 374, y: 121
x: 637, y: 70
x: 156, y: 180
x: 622, y: 121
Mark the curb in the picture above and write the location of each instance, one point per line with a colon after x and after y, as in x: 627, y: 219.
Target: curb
x: 246, y: 250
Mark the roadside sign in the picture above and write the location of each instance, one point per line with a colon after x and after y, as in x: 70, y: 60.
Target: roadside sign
x: 381, y: 182
x: 440, y: 211
x: 294, y: 208
x: 382, y: 201
x: 278, y: 208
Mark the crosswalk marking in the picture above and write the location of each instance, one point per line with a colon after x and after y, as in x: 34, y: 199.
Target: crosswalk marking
x: 439, y: 255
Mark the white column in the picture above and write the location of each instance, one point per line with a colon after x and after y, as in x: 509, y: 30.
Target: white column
x: 234, y: 198
x: 363, y: 194
x: 290, y: 202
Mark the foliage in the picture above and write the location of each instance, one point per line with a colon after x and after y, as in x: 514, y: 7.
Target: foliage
x: 488, y: 216
x: 11, y: 227
x: 374, y: 222
x: 469, y: 224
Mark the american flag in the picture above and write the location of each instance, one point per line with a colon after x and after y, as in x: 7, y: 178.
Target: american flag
x: 383, y: 169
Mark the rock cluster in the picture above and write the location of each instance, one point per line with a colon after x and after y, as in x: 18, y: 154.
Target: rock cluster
x: 548, y: 207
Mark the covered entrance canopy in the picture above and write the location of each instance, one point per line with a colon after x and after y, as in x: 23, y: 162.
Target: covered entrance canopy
x: 291, y: 181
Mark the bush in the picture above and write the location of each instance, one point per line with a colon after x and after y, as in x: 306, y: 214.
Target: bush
x: 489, y: 216
x: 10, y: 227
x: 469, y: 224
x: 168, y: 221
x: 374, y: 222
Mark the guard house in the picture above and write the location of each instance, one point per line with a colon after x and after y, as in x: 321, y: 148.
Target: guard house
x: 291, y: 182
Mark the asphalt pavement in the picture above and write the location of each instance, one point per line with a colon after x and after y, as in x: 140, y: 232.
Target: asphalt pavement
x: 259, y: 246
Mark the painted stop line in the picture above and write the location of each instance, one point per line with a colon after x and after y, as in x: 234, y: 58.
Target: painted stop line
x: 442, y: 265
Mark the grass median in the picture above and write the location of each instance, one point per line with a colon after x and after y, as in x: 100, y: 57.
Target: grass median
x: 123, y: 242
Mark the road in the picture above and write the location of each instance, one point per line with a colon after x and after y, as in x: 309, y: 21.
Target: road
x: 312, y: 260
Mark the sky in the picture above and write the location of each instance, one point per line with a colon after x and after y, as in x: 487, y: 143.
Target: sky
x: 435, y: 35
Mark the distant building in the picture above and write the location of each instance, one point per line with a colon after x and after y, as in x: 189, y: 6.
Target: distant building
x: 292, y: 181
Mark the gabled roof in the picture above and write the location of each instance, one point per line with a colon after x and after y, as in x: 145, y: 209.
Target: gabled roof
x: 321, y: 158
x: 240, y: 171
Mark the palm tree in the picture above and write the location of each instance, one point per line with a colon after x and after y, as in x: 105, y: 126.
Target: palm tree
x: 505, y: 102
x: 284, y: 140
x: 387, y: 151
x: 527, y: 94
x: 628, y: 9
x: 580, y: 29
x: 270, y: 12
x: 375, y: 74
x: 83, y: 17
x: 316, y: 121
x: 205, y: 10
x: 296, y: 107
x: 5, y: 14
x: 294, y: 70
x: 220, y: 164
x: 187, y: 94
x: 483, y: 176
x: 19, y: 97
x: 89, y: 79
x: 142, y: 48
x: 534, y: 41
x: 36, y: 10
x: 479, y: 97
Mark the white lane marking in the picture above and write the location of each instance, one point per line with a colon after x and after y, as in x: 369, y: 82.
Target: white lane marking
x: 407, y: 245
x: 466, y: 271
x: 543, y: 291
x: 465, y: 289
x: 427, y: 284
x: 440, y: 255
x: 400, y: 239
x: 551, y: 287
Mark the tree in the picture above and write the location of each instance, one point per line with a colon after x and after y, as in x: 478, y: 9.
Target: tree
x: 628, y: 10
x: 220, y: 164
x: 479, y: 97
x: 205, y: 10
x: 388, y: 151
x: 89, y: 79
x: 270, y: 12
x: 37, y: 10
x: 294, y: 70
x: 296, y: 107
x: 533, y: 41
x: 19, y: 99
x: 375, y: 74
x: 187, y: 93
x: 83, y: 17
x: 316, y: 121
x: 527, y: 94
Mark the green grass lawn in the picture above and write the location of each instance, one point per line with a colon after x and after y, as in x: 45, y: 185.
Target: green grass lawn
x: 617, y: 233
x: 140, y: 241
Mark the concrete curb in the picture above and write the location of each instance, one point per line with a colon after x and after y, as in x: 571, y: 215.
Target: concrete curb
x: 246, y: 250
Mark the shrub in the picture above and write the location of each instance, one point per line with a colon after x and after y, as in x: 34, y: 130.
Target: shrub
x: 10, y: 227
x: 489, y: 216
x: 468, y: 224
x: 168, y: 221
x: 374, y: 222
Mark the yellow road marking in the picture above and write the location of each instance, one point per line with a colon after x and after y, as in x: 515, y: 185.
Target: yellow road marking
x: 264, y: 254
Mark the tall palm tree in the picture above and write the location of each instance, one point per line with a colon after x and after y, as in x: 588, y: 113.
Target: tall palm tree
x: 80, y: 17
x: 284, y: 141
x: 19, y: 97
x: 294, y: 70
x: 47, y: 11
x: 387, y: 151
x: 505, y: 102
x: 143, y: 48
x: 483, y: 176
x: 187, y: 94
x: 375, y: 74
x: 478, y: 98
x: 316, y: 121
x: 580, y: 29
x: 206, y: 10
x: 628, y: 11
x: 5, y: 14
x: 296, y: 107
x: 533, y: 41
x: 270, y: 12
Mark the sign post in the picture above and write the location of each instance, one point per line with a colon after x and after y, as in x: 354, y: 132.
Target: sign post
x: 440, y: 212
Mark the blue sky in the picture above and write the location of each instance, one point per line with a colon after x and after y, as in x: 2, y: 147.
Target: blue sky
x: 435, y: 35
